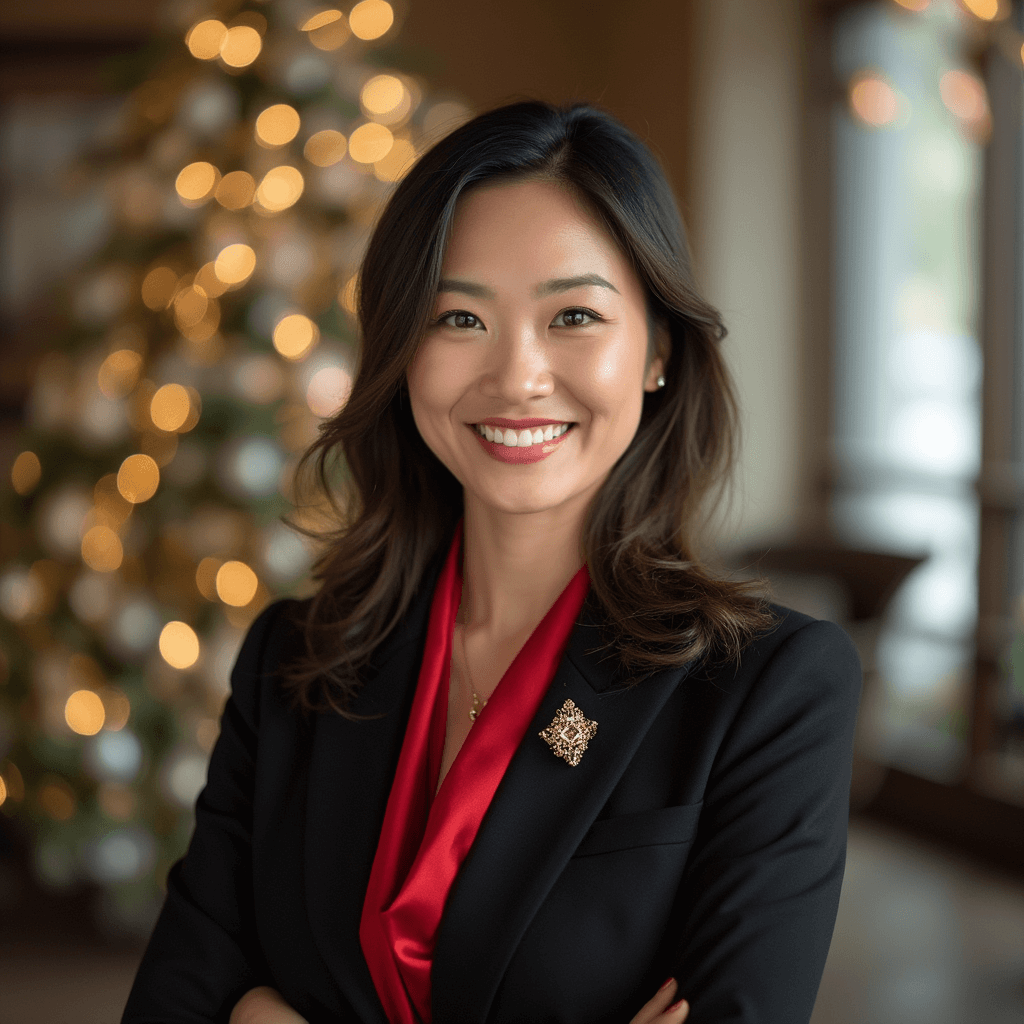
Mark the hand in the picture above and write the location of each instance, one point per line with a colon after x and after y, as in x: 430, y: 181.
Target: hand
x: 264, y: 1005
x: 663, y: 1007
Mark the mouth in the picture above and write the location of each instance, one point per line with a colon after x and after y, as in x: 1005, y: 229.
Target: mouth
x: 507, y: 434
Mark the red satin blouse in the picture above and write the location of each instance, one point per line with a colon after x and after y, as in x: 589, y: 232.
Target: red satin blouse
x: 425, y: 839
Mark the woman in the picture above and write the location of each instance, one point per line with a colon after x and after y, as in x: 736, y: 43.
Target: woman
x: 522, y: 757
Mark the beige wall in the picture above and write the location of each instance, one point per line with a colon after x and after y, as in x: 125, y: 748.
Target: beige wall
x: 746, y: 236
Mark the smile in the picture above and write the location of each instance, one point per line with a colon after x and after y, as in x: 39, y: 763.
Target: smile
x: 520, y: 447
x: 511, y: 438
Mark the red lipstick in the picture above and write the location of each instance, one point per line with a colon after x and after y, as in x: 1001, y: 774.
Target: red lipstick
x: 517, y: 455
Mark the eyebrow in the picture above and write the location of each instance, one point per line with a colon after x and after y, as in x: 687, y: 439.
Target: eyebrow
x: 552, y: 287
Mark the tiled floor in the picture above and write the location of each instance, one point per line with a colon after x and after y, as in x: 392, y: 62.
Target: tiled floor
x: 922, y: 938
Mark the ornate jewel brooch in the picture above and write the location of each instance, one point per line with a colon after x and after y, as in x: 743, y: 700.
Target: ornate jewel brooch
x: 569, y: 732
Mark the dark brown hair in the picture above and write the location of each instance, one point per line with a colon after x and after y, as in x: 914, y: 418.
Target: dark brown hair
x: 396, y: 505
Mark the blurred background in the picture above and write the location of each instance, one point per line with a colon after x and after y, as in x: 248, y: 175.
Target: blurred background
x: 187, y: 188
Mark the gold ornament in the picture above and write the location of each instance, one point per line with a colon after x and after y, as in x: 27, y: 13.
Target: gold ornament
x: 569, y: 732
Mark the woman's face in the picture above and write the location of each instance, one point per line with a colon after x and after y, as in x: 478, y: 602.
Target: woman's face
x: 529, y: 383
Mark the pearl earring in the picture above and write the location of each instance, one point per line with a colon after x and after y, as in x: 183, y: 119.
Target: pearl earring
x: 661, y: 382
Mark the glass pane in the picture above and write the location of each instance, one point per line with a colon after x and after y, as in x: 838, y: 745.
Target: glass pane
x: 908, y: 363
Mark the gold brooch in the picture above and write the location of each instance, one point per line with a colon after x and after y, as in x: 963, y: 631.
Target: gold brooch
x: 569, y: 732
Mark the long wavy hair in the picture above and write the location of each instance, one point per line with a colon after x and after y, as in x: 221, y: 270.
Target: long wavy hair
x: 394, y: 505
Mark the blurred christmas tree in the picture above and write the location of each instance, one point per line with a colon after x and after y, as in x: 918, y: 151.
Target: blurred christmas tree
x: 141, y: 530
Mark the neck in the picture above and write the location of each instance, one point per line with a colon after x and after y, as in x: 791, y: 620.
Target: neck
x: 515, y: 566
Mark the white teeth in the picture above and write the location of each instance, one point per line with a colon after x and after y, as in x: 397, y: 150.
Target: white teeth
x: 523, y: 438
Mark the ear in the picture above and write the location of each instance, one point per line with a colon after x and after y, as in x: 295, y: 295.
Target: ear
x: 661, y: 345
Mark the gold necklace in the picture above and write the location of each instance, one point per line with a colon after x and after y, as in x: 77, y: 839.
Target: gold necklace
x: 478, y: 704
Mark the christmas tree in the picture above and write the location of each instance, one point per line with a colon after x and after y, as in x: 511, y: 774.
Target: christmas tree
x: 142, y: 521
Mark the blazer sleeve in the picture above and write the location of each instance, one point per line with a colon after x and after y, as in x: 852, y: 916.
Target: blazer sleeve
x: 761, y: 890
x: 204, y: 953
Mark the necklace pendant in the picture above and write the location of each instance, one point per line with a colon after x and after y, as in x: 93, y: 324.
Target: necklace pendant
x: 477, y: 707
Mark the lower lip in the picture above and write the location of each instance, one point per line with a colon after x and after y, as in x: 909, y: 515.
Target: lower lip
x: 519, y: 456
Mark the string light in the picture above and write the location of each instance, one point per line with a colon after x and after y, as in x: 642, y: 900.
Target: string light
x: 236, y: 583
x: 196, y: 182
x: 370, y: 143
x: 327, y: 30
x: 138, y: 478
x: 873, y: 100
x: 295, y: 335
x: 179, y: 645
x: 370, y: 19
x: 280, y: 188
x: 241, y: 46
x: 986, y: 10
x: 205, y: 39
x: 119, y: 373
x: 325, y: 148
x: 84, y: 712
x: 160, y: 284
x: 235, y: 263
x: 235, y: 190
x: 102, y: 549
x: 26, y: 473
x: 170, y: 407
x: 277, y: 125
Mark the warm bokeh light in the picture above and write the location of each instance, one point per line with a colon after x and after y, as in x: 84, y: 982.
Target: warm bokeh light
x: 328, y: 390
x: 206, y: 577
x: 327, y: 17
x: 397, y: 162
x: 235, y: 190
x: 277, y: 125
x: 102, y: 549
x: 986, y: 10
x: 295, y: 335
x: 964, y: 95
x: 160, y: 284
x: 118, y: 709
x: 327, y: 30
x: 280, y: 188
x: 109, y: 501
x: 3, y: 790
x: 204, y: 40
x: 57, y: 798
x: 914, y: 5
x: 347, y: 295
x: 84, y: 712
x: 382, y: 94
x: 190, y: 305
x: 26, y: 472
x: 370, y: 143
x: 119, y: 373
x: 208, y: 282
x: 14, y: 781
x: 195, y: 182
x: 325, y: 148
x: 179, y: 645
x: 138, y: 478
x: 170, y: 407
x: 235, y: 263
x: 236, y: 583
x: 241, y: 46
x: 370, y: 19
x: 874, y: 101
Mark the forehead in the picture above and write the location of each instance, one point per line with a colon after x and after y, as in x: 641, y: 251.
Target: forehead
x: 532, y: 228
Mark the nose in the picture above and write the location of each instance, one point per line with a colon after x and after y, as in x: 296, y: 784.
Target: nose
x: 518, y: 369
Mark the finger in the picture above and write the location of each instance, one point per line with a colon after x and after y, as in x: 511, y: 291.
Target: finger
x: 655, y: 1006
x: 675, y: 1014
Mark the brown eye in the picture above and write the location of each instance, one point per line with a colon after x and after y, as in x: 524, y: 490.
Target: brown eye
x: 461, y: 319
x: 575, y: 318
x: 466, y: 320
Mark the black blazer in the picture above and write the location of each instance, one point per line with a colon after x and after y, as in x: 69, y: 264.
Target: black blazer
x: 703, y: 835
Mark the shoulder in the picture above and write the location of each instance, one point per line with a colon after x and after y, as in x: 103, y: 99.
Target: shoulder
x: 798, y: 664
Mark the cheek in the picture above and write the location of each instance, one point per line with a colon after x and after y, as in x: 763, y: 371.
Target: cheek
x: 610, y: 381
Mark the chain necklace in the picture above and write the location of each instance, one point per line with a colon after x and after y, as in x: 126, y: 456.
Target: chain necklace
x: 478, y: 704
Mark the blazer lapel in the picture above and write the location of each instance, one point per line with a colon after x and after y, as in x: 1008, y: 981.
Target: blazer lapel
x: 540, y: 813
x: 352, y: 766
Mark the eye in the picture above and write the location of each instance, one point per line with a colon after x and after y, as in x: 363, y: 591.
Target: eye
x: 460, y: 319
x: 576, y: 317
